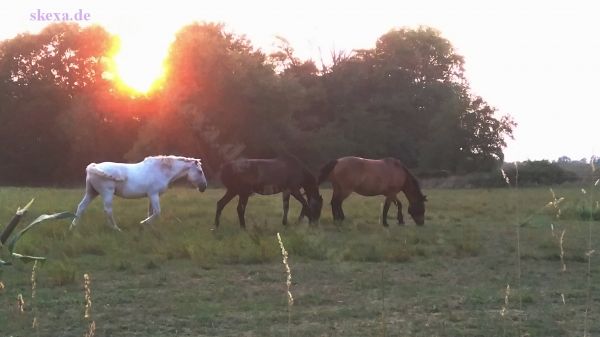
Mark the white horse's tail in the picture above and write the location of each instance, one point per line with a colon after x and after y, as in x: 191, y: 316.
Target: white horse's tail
x: 94, y: 169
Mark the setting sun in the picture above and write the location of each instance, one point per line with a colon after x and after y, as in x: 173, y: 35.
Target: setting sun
x: 138, y: 61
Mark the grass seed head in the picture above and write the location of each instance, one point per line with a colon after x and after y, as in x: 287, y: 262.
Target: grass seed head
x: 20, y: 303
x: 87, y: 281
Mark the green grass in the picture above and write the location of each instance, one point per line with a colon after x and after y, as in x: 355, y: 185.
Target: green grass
x: 179, y: 278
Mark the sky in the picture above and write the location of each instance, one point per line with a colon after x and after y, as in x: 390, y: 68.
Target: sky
x: 538, y: 61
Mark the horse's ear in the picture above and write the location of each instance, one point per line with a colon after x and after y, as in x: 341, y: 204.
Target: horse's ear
x: 424, y: 198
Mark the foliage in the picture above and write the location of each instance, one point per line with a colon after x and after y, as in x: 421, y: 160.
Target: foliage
x: 40, y: 74
x: 540, y: 172
x: 581, y: 168
x: 222, y: 98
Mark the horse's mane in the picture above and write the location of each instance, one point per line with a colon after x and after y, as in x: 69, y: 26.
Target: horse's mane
x: 409, y: 174
x: 415, y: 181
x: 168, y: 158
x: 167, y: 161
x: 307, y: 175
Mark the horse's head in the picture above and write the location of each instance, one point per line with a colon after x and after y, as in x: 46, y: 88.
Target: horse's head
x: 416, y: 209
x: 314, y: 199
x: 196, y: 176
x: 315, y: 204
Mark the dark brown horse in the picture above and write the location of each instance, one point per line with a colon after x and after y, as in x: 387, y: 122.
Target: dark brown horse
x: 244, y: 177
x: 370, y: 177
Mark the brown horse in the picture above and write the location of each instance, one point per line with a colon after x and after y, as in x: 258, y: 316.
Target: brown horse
x: 370, y: 177
x: 244, y: 177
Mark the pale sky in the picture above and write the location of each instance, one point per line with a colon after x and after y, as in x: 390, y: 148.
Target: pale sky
x: 538, y: 61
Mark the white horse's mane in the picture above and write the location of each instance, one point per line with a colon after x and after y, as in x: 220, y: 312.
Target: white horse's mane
x: 167, y: 161
x: 169, y: 158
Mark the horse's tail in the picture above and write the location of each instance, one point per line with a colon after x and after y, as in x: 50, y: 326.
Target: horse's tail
x: 93, y: 169
x: 326, y: 170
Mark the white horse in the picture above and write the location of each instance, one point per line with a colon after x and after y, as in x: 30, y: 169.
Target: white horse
x: 150, y: 178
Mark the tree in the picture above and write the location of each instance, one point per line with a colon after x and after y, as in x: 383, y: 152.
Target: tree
x: 408, y: 98
x: 220, y: 93
x: 564, y: 159
x: 484, y: 135
x: 39, y: 75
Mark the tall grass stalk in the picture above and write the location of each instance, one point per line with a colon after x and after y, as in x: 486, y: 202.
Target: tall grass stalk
x: 518, y: 247
x: 20, y: 303
x: 34, y: 323
x: 91, y: 330
x: 518, y: 225
x: 589, y: 252
x: 505, y: 308
x: 87, y: 291
x: 555, y: 204
x: 383, y: 323
x: 288, y: 282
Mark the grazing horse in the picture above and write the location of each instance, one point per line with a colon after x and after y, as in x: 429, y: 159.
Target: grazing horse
x: 370, y: 177
x: 150, y: 178
x: 244, y: 177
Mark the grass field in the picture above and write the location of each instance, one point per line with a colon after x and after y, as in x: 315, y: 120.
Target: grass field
x: 179, y: 278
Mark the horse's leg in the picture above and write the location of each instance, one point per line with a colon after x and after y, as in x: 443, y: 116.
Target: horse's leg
x: 335, y: 207
x: 399, y: 204
x: 90, y: 194
x: 336, y: 203
x: 342, y: 198
x: 222, y: 203
x: 285, y: 195
x: 107, y: 197
x: 298, y: 196
x: 386, y: 208
x: 150, y: 209
x: 155, y: 205
x: 241, y: 208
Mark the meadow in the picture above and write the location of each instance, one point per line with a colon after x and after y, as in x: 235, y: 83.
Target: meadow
x: 488, y: 262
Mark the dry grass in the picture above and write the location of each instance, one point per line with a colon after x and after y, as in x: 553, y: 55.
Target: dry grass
x: 288, y: 282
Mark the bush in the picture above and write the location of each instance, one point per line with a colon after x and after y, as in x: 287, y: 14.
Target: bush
x: 540, y: 172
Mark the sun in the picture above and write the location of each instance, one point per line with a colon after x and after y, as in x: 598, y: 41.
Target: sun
x: 137, y: 63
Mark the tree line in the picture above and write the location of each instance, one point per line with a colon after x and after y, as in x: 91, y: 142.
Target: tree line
x: 223, y: 98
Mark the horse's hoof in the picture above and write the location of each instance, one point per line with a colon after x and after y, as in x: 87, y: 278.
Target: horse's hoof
x: 385, y: 224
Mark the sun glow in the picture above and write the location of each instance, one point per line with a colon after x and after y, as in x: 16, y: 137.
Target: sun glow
x: 138, y: 62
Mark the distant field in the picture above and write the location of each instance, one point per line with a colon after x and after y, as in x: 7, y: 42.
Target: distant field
x: 179, y: 278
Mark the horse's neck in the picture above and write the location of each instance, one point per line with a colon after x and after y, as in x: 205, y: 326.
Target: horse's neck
x: 309, y: 184
x: 177, y: 171
x: 412, y: 190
